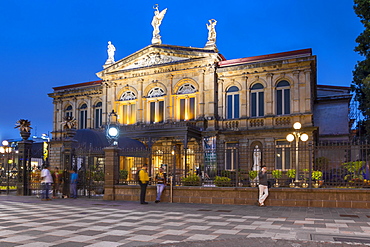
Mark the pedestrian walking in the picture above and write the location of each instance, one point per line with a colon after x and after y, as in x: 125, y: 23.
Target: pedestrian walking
x: 161, y: 179
x: 263, y: 186
x: 73, y: 183
x: 46, y: 183
x: 143, y: 182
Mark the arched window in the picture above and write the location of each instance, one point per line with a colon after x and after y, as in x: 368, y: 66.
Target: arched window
x: 156, y: 105
x: 83, y: 117
x: 187, y: 103
x: 98, y: 115
x: 232, y: 103
x: 129, y: 107
x: 283, y: 98
x: 128, y: 95
x: 257, y: 100
x: 68, y: 111
x: 186, y: 89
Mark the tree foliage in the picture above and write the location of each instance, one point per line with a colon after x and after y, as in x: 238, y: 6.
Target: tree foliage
x: 361, y: 75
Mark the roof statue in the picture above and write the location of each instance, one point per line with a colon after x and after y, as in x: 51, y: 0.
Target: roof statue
x: 156, y: 22
x: 211, y: 43
x: 111, y: 50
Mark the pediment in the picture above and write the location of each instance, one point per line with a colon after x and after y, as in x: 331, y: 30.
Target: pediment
x: 155, y: 55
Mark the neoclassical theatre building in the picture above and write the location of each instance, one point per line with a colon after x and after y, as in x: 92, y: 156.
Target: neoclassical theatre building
x: 185, y: 98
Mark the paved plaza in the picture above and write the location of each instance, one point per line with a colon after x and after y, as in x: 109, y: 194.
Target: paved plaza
x: 28, y: 221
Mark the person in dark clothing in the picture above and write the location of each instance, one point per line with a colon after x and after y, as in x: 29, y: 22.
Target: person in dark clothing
x: 263, y: 186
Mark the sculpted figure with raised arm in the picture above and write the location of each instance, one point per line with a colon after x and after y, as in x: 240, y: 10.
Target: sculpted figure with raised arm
x: 156, y: 22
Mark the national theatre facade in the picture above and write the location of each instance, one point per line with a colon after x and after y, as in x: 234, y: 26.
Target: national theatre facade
x: 187, y: 99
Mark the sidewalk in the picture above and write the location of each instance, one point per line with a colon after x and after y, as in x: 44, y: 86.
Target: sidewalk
x: 28, y: 221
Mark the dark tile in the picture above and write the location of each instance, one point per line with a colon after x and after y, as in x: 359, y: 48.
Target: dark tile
x: 90, y: 232
x: 70, y: 244
x: 112, y: 238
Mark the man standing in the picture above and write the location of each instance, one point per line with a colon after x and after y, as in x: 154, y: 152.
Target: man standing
x: 161, y: 179
x: 263, y: 186
x: 73, y: 184
x: 46, y: 182
x: 143, y: 182
x: 57, y: 177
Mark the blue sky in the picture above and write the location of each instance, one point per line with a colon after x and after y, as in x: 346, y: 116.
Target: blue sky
x: 44, y: 44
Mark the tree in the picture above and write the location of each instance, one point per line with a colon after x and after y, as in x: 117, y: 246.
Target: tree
x: 361, y: 75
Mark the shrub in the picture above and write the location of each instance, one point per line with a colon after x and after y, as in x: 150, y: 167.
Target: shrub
x: 291, y: 173
x: 276, y: 174
x: 316, y: 175
x: 253, y: 174
x: 222, y: 181
x: 123, y: 174
x: 191, y: 180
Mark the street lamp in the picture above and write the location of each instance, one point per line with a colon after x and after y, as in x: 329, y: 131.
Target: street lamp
x: 296, y: 135
x: 112, y: 131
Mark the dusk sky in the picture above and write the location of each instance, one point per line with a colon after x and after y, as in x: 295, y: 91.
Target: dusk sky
x: 50, y: 43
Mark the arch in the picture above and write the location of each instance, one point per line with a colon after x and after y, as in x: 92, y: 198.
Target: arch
x: 283, y: 83
x: 126, y: 89
x: 185, y: 82
x: 83, y: 105
x: 156, y: 92
x: 287, y: 78
x: 128, y: 95
x: 257, y: 86
x: 232, y: 89
x: 154, y: 85
x: 232, y: 84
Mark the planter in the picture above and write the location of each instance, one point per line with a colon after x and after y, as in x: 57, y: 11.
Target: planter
x: 276, y: 184
x: 316, y: 184
x: 253, y: 184
x: 304, y: 185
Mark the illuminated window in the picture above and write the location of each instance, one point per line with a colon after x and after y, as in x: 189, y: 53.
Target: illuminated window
x: 68, y: 111
x: 129, y: 113
x: 283, y: 98
x: 257, y: 100
x: 187, y: 104
x: 187, y: 109
x: 129, y: 107
x: 156, y: 106
x: 232, y: 102
x: 82, y: 123
x: 98, y: 115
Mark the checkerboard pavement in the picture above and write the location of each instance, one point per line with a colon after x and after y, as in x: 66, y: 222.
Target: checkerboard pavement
x: 28, y: 221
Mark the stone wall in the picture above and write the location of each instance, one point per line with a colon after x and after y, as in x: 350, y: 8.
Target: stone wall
x: 343, y: 198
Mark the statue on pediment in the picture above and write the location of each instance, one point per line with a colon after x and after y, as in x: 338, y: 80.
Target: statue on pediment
x: 211, y: 32
x: 156, y: 22
x: 111, y: 50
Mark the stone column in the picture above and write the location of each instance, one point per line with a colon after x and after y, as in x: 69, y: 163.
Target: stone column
x: 24, y: 167
x: 111, y: 172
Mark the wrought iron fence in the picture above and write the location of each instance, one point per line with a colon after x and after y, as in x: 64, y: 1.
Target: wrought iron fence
x: 323, y: 165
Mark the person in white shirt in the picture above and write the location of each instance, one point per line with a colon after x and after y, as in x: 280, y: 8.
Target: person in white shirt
x: 46, y: 182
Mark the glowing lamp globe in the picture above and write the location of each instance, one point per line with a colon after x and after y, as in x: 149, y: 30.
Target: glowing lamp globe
x: 297, y: 125
x: 290, y: 137
x: 113, y: 132
x: 304, y: 137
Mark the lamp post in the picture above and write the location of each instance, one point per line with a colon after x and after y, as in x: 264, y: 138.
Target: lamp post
x: 297, y: 135
x: 6, y: 150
